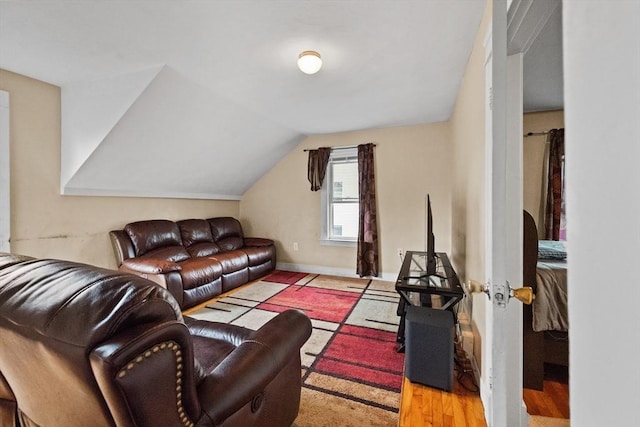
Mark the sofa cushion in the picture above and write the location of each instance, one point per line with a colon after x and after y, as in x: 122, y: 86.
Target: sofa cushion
x: 203, y: 249
x: 227, y: 233
x: 170, y: 253
x: 153, y: 234
x: 232, y: 261
x: 194, y: 231
x: 200, y: 271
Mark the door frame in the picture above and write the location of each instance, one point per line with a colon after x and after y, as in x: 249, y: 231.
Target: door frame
x: 5, y: 174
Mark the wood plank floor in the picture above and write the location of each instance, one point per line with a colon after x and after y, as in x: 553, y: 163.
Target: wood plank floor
x: 553, y: 400
x: 423, y: 406
x: 426, y: 406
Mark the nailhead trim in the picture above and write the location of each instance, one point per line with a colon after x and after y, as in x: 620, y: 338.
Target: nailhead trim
x: 167, y: 345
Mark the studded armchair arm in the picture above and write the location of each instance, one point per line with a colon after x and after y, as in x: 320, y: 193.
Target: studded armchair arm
x: 147, y: 376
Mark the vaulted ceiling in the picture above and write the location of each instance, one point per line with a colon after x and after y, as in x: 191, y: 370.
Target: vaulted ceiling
x: 199, y: 99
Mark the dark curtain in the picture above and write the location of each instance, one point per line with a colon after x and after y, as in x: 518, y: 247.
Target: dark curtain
x: 317, y: 166
x: 367, y: 256
x: 553, y: 208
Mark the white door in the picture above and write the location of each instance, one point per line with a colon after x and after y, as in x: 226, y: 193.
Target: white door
x: 512, y: 33
x: 503, y: 391
x: 5, y: 196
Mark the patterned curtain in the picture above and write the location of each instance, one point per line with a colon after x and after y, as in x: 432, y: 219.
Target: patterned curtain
x: 367, y: 256
x: 554, y: 185
x: 317, y: 166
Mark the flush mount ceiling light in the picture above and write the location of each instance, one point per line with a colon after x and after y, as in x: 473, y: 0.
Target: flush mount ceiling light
x: 309, y: 62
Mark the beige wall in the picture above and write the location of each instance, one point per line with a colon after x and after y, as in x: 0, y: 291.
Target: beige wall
x: 46, y: 224
x: 535, y: 152
x: 410, y: 162
x: 468, y: 195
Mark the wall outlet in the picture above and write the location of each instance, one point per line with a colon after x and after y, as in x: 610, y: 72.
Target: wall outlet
x: 400, y: 252
x: 295, y: 246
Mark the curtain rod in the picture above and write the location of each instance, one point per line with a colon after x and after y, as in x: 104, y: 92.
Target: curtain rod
x: 346, y: 147
x: 534, y: 134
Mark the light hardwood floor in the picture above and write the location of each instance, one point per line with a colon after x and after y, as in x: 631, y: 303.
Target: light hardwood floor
x: 425, y: 406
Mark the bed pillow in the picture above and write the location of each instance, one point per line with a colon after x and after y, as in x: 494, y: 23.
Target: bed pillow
x: 552, y: 249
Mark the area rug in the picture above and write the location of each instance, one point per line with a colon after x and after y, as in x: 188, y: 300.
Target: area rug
x: 351, y: 371
x: 286, y: 277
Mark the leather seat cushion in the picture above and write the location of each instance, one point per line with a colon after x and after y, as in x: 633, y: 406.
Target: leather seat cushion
x: 213, y: 342
x: 232, y: 261
x: 199, y: 271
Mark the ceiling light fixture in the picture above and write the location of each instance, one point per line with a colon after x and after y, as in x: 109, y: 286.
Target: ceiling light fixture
x: 309, y: 62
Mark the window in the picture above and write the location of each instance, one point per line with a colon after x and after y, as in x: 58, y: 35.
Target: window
x: 340, y: 198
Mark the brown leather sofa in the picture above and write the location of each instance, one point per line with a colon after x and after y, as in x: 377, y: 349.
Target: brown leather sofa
x: 195, y: 259
x: 85, y: 346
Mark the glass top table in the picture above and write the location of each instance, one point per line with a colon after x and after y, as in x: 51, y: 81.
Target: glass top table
x: 413, y: 279
x: 441, y: 290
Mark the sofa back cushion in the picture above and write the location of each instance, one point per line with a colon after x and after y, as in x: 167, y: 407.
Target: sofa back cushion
x: 227, y: 233
x: 153, y: 234
x: 197, y: 237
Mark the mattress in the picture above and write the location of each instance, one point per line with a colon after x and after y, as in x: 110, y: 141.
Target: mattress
x: 550, y: 306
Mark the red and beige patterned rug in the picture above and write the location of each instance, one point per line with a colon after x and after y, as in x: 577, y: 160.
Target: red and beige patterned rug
x: 351, y: 372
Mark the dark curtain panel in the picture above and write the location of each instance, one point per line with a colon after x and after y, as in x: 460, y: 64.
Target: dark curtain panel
x: 367, y: 257
x: 554, y: 185
x: 317, y: 166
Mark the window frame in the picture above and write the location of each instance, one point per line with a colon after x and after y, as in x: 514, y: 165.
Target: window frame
x: 347, y: 155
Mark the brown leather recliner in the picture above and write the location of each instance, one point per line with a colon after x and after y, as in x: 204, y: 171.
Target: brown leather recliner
x: 84, y: 346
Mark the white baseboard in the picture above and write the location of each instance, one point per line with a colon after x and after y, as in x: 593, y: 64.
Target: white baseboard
x: 333, y: 271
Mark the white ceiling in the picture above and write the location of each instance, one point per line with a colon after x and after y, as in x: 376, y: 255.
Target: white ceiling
x: 542, y: 64
x: 201, y: 98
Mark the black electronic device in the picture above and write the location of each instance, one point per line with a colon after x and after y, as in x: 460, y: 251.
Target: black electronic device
x: 430, y: 256
x: 429, y: 347
x: 431, y: 242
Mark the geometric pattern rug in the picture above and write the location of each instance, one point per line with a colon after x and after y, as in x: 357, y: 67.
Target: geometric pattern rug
x: 351, y: 371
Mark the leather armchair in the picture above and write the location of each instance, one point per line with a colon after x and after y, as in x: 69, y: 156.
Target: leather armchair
x: 88, y: 346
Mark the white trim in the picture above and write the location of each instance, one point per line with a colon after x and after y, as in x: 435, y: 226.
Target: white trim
x: 343, y: 243
x: 5, y: 174
x: 332, y: 271
x: 526, y: 20
x: 152, y: 194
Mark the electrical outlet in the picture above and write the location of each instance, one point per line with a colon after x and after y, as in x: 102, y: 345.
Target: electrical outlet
x: 400, y: 252
x: 295, y: 246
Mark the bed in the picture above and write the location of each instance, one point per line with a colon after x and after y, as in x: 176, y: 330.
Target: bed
x: 546, y: 324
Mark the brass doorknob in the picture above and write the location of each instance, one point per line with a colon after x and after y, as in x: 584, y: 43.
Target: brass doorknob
x: 524, y: 294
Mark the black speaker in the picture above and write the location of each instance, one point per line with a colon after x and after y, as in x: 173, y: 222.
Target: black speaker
x: 429, y: 347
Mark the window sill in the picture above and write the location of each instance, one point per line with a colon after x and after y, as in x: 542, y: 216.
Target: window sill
x: 345, y: 243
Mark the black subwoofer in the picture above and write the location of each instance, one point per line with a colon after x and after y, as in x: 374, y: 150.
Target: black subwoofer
x: 429, y: 335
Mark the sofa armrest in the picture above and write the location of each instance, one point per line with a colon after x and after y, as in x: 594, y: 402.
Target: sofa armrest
x: 257, y: 241
x: 146, y: 368
x: 122, y: 246
x: 247, y: 370
x: 150, y: 266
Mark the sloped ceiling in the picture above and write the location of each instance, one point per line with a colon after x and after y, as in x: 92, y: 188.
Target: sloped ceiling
x: 198, y: 99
